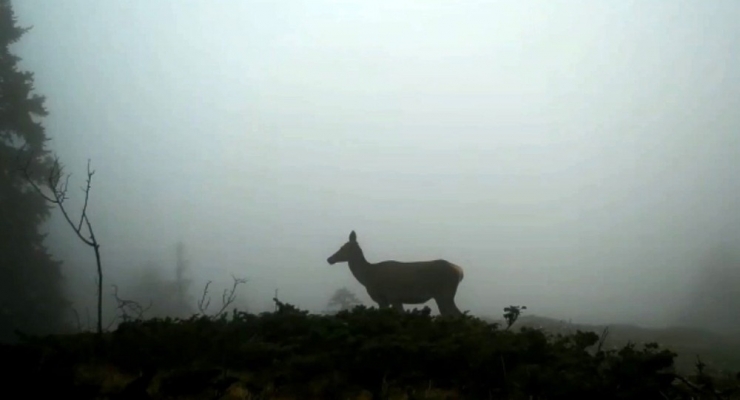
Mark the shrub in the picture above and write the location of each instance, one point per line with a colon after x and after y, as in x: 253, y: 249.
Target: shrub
x: 292, y: 351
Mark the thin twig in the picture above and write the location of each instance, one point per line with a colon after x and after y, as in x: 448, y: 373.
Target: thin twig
x: 87, y: 195
x: 227, y: 298
x: 201, y: 307
x: 602, y: 339
x: 125, y: 306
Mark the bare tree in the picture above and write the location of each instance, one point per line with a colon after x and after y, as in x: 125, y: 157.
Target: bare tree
x: 58, y: 194
x: 129, y: 309
x: 227, y: 298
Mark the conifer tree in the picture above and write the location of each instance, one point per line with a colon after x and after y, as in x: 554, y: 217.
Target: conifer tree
x: 32, y: 298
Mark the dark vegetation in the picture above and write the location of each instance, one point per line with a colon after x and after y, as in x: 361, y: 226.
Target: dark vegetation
x: 720, y: 352
x: 32, y: 287
x: 221, y: 352
x: 290, y: 353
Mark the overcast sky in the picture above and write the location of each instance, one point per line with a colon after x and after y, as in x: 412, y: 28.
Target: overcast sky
x: 577, y: 157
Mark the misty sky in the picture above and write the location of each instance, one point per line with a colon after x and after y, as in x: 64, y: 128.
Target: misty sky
x: 577, y: 157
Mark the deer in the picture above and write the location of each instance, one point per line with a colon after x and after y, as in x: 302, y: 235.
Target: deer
x: 395, y: 283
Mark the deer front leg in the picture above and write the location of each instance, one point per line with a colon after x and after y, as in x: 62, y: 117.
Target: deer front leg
x: 382, y: 303
x: 398, y: 306
x: 380, y: 299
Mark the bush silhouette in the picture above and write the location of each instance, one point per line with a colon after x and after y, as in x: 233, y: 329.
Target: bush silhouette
x: 383, y: 351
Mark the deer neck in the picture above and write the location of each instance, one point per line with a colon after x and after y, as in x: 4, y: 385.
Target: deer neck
x: 360, y: 268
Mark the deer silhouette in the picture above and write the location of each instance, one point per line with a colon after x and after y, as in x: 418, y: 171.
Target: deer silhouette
x: 395, y: 283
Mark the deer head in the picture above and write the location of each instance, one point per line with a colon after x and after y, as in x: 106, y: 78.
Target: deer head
x: 347, y: 252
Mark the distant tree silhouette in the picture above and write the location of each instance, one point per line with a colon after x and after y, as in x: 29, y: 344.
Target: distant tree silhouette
x: 342, y: 299
x: 31, y: 289
x: 183, y: 283
x: 158, y: 292
x: 166, y: 294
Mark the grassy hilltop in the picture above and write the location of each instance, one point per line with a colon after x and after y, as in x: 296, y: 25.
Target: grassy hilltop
x: 720, y: 353
x: 362, y: 353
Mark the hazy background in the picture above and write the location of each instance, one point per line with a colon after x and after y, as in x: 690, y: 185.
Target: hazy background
x: 577, y: 157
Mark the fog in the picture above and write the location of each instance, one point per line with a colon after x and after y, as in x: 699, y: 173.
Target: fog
x: 579, y: 157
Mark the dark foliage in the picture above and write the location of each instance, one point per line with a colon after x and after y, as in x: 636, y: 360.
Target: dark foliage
x: 31, y: 291
x: 293, y: 353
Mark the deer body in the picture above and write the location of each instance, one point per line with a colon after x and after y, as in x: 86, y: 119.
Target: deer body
x: 394, y: 283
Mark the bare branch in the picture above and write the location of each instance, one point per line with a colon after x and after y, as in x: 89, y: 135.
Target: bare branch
x: 87, y: 195
x: 130, y: 306
x: 203, y: 303
x: 58, y: 196
x: 227, y: 298
x: 602, y: 338
x: 92, y: 233
x: 25, y: 171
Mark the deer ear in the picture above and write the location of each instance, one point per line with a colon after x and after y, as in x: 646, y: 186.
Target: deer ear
x: 353, y: 237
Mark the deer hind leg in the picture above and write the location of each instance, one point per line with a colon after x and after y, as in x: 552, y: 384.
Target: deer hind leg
x: 447, y: 306
x: 398, y: 306
x: 446, y: 301
x: 453, y: 307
